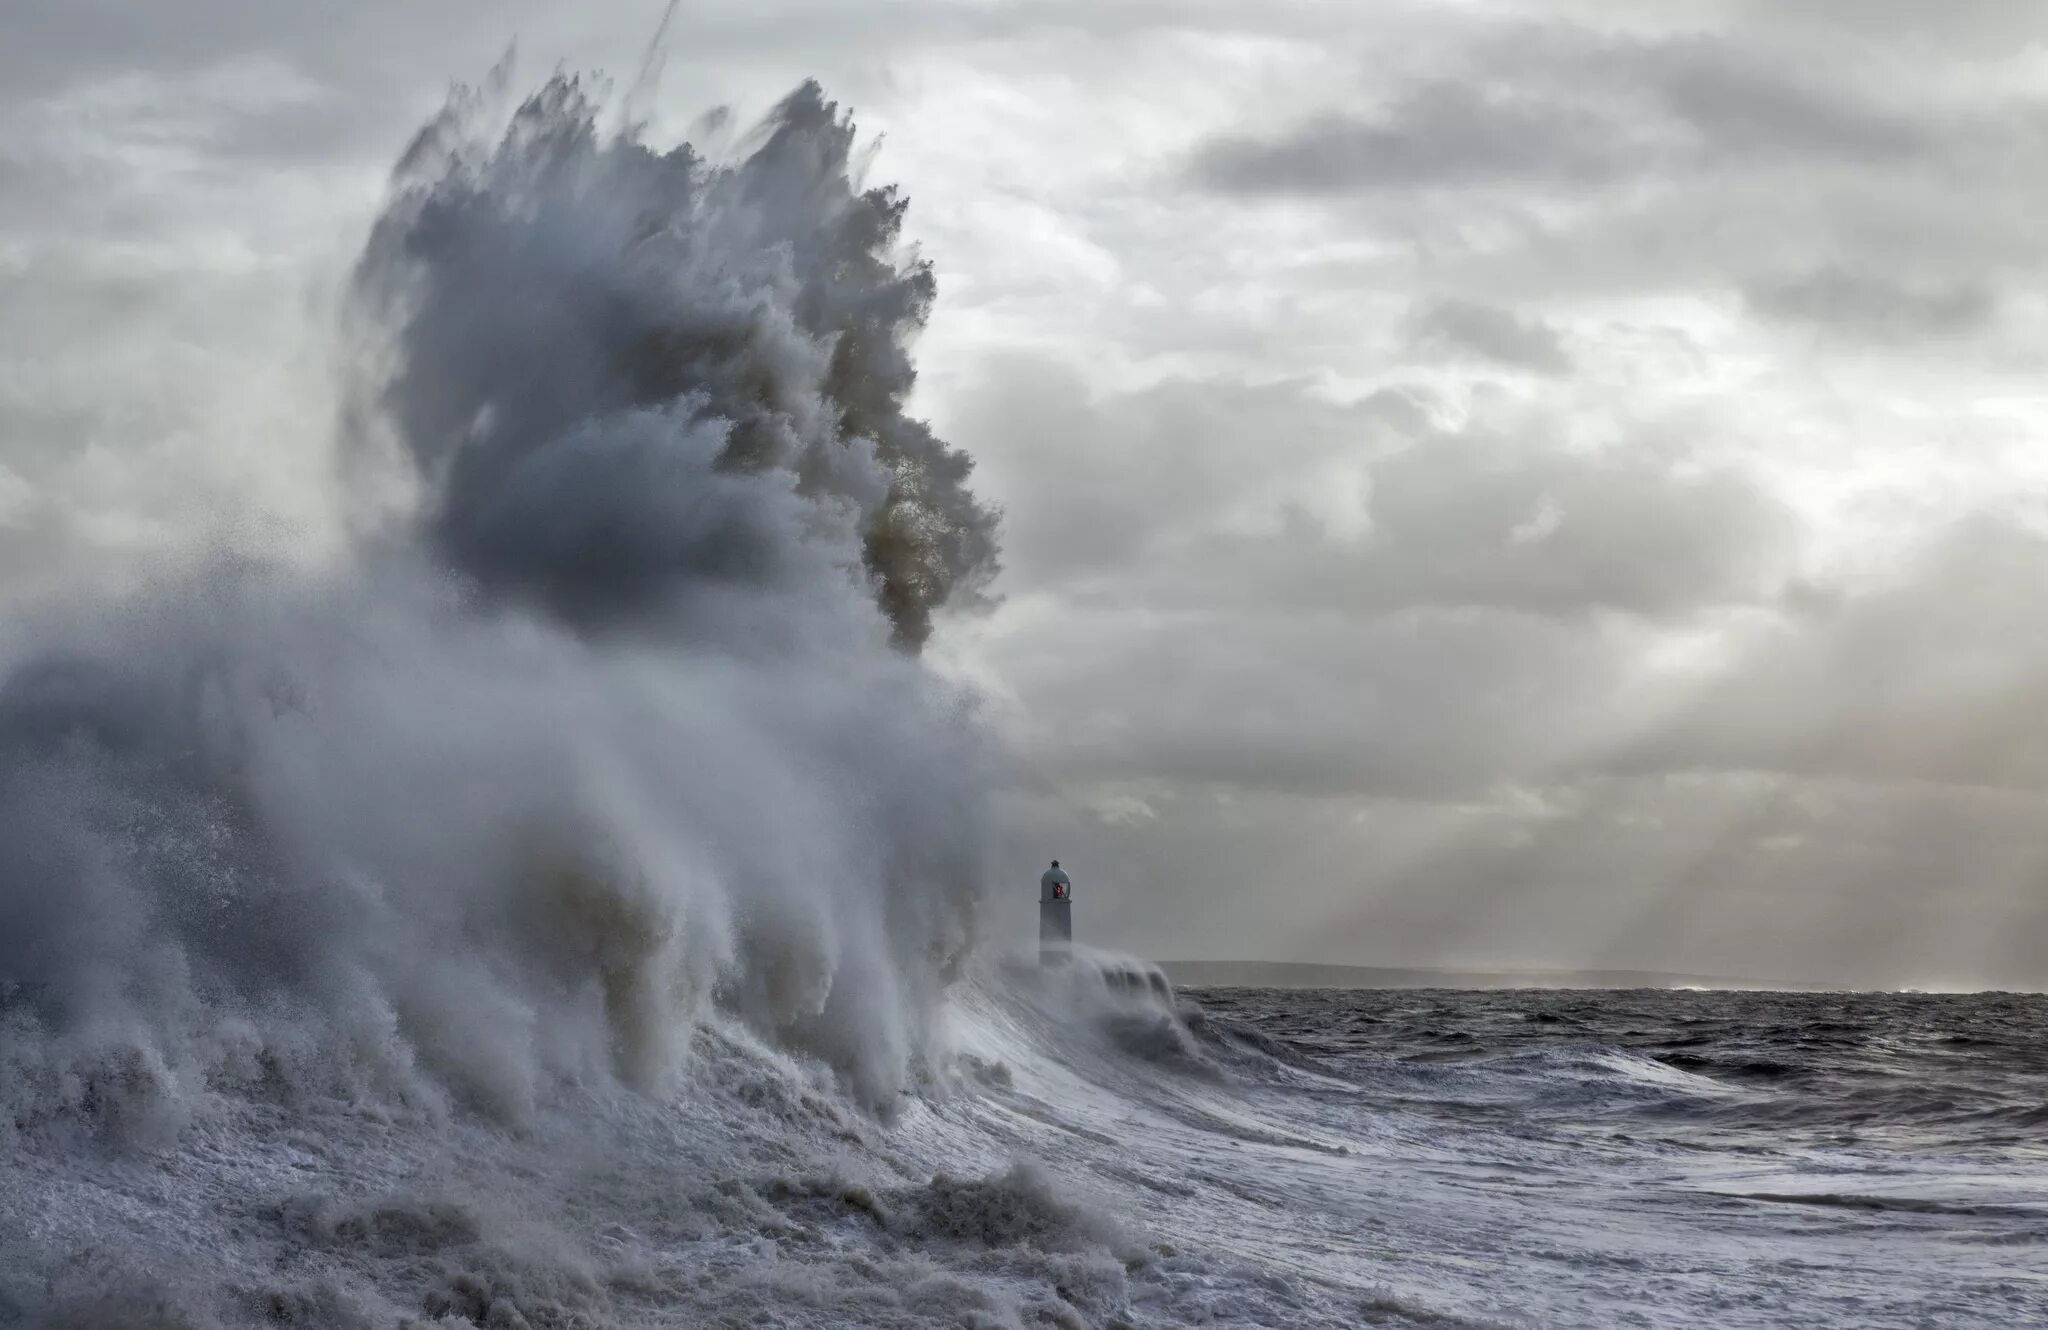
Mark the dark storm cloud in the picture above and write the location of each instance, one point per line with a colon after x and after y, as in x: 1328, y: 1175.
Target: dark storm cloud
x: 411, y: 51
x: 1561, y: 108
x: 1740, y: 103
x: 1468, y: 327
x: 1871, y: 305
x: 1444, y: 134
x: 1994, y: 26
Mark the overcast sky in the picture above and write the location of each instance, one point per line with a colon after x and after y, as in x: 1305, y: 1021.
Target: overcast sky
x: 1551, y: 484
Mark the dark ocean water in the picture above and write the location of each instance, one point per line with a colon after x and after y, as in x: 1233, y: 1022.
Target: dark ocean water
x: 1890, y: 1071
x: 1729, y: 1157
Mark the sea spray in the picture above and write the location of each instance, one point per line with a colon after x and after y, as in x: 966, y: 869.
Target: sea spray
x: 635, y: 381
x: 618, y: 719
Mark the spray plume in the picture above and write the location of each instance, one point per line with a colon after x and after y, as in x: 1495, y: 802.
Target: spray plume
x: 660, y: 744
x: 758, y: 311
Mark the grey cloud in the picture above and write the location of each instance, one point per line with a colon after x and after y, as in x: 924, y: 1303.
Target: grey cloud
x: 1480, y: 624
x: 1939, y: 675
x: 390, y: 49
x: 1741, y: 102
x: 1559, y: 107
x: 1444, y: 134
x: 1095, y: 485
x: 1147, y: 497
x: 1485, y: 525
x: 1874, y: 306
x: 1518, y: 524
x: 1429, y: 705
x: 1539, y: 166
x: 1488, y: 332
x: 1485, y: 649
x: 1996, y: 27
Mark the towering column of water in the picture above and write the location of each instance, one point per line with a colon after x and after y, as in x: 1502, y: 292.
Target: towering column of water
x: 1055, y: 914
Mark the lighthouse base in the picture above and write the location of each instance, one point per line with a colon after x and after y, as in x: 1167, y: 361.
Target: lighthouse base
x: 1055, y: 931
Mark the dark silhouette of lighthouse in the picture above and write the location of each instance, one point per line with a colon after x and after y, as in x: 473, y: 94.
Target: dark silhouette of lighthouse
x: 1055, y: 915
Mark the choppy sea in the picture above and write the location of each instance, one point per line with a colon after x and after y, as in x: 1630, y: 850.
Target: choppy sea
x: 1092, y: 1152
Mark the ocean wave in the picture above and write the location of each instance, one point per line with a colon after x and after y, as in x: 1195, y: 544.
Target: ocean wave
x: 616, y: 722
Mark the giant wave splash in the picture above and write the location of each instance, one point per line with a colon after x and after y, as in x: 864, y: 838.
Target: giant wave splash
x: 613, y: 718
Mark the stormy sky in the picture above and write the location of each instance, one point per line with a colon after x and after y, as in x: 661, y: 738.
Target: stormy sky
x: 1489, y: 484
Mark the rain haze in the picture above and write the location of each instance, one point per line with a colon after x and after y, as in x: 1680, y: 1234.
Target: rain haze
x: 1481, y: 485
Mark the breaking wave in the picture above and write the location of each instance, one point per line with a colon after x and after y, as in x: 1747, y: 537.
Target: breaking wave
x: 616, y: 720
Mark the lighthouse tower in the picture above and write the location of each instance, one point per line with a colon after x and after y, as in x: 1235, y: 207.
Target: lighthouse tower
x: 1055, y: 915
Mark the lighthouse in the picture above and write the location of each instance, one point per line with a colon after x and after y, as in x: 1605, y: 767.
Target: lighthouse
x: 1055, y: 914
